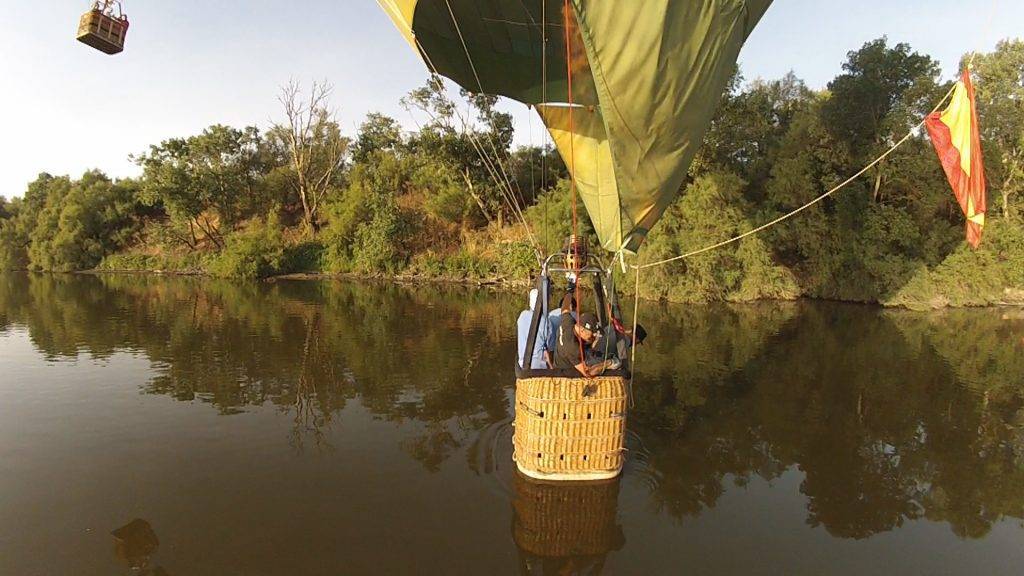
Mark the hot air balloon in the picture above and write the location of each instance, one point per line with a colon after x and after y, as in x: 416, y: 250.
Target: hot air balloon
x: 627, y: 90
x: 646, y: 78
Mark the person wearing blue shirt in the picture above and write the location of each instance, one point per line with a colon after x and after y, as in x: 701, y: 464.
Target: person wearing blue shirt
x: 539, y: 359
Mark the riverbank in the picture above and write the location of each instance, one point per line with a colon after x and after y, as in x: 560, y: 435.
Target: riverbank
x: 1010, y: 298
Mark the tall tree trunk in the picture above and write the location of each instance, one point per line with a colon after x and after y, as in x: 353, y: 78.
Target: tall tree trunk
x: 307, y: 215
x: 476, y: 198
x: 1006, y: 197
x: 878, y: 185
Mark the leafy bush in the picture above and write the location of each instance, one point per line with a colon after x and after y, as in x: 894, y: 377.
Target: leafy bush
x: 447, y: 197
x: 710, y: 210
x: 377, y: 246
x: 968, y: 277
x: 551, y: 218
x: 517, y: 260
x: 463, y: 264
x: 255, y: 253
x: 145, y: 262
x: 304, y: 257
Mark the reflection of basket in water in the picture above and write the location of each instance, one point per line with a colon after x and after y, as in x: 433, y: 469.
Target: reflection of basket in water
x: 570, y: 428
x: 558, y: 520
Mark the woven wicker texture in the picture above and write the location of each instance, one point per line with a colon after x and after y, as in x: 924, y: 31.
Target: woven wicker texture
x: 570, y: 426
x: 558, y: 520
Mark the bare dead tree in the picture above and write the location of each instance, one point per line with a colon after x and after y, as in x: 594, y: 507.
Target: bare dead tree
x: 316, y: 148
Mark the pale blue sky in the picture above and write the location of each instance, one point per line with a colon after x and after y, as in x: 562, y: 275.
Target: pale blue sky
x: 189, y: 63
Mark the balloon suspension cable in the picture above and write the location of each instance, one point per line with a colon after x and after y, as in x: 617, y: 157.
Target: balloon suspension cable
x: 518, y: 210
x: 544, y: 98
x: 503, y: 185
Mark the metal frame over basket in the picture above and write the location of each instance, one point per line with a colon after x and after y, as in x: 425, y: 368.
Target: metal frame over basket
x: 567, y: 427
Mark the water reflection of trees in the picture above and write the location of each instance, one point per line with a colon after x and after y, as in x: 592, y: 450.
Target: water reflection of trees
x: 890, y: 417
x: 873, y: 408
x: 305, y: 347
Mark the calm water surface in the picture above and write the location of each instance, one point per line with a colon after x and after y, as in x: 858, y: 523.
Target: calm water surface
x: 306, y: 428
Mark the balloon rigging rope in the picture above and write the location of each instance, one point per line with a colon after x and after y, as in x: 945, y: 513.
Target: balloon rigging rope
x: 494, y: 148
x: 506, y: 195
x: 503, y: 187
x: 544, y: 98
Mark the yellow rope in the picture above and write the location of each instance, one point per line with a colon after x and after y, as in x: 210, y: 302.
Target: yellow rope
x: 638, y: 267
x: 913, y: 131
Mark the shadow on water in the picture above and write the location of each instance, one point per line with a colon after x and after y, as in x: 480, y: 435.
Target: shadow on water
x: 889, y: 417
x: 135, y: 544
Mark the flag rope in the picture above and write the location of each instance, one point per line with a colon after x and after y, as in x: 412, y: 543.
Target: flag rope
x: 913, y: 131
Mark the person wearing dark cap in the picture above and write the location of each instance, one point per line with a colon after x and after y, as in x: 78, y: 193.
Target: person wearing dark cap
x: 575, y: 339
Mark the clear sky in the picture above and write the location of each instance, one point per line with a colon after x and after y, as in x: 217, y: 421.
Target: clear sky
x: 191, y: 63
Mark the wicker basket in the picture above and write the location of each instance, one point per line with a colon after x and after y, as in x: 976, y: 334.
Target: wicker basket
x: 102, y: 32
x: 570, y: 428
x: 558, y: 520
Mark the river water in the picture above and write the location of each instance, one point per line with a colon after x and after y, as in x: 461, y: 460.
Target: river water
x: 307, y: 428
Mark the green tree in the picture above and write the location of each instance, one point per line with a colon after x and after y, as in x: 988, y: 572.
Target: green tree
x: 75, y: 223
x: 478, y: 148
x: 311, y: 148
x: 204, y: 182
x: 1000, y: 94
x: 378, y: 133
x: 7, y: 209
x: 366, y: 230
x: 748, y: 128
x: 882, y: 93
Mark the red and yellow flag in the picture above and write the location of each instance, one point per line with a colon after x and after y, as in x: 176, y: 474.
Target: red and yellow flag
x: 955, y: 134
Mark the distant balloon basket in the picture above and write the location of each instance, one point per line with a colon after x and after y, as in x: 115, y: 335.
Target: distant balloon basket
x: 104, y: 27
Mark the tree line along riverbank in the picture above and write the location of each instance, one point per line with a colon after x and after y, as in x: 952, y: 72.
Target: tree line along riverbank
x: 304, y: 197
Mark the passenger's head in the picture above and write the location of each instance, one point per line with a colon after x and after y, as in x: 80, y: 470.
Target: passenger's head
x: 588, y: 327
